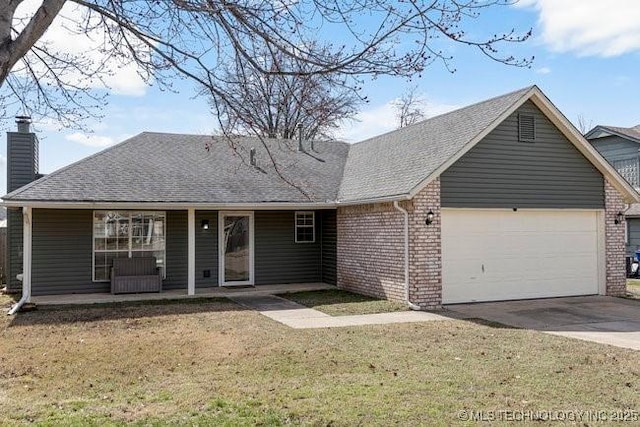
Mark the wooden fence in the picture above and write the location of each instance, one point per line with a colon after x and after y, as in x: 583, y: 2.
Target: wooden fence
x: 3, y: 255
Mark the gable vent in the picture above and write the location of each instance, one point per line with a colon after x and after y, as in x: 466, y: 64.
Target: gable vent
x: 526, y: 127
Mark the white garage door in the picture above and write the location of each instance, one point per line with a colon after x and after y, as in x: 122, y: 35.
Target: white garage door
x: 492, y: 255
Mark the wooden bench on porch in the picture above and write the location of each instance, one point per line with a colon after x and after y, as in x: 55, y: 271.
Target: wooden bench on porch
x: 135, y: 275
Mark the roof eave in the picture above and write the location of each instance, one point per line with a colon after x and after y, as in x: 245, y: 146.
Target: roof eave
x: 370, y: 200
x: 45, y: 204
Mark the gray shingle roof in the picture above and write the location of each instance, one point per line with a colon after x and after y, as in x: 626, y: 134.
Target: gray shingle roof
x: 633, y: 211
x: 396, y: 162
x: 161, y: 167
x: 173, y: 168
x: 632, y: 133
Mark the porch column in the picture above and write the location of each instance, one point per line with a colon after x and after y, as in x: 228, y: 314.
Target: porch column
x: 191, y: 252
x: 26, y: 251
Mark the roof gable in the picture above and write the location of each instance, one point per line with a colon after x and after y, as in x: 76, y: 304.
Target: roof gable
x: 393, y: 164
x: 399, y: 164
x: 601, y: 131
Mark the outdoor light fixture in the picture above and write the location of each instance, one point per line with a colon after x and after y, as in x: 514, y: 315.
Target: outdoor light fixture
x: 619, y: 218
x: 430, y: 216
x: 205, y: 224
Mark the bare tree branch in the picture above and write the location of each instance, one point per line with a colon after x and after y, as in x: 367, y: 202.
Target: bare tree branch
x: 195, y: 39
x: 409, y: 107
x: 248, y: 102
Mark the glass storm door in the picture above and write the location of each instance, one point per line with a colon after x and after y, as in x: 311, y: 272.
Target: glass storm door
x: 235, y: 248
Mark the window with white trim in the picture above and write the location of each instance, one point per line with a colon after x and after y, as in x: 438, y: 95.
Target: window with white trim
x: 126, y: 234
x: 628, y: 168
x: 305, y: 227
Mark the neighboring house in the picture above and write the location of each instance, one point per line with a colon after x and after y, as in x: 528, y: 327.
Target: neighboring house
x: 621, y: 147
x: 500, y: 200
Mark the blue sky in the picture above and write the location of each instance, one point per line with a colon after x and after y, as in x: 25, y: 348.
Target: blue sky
x: 587, y: 61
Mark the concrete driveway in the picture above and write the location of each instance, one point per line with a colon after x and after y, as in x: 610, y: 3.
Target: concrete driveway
x: 606, y: 320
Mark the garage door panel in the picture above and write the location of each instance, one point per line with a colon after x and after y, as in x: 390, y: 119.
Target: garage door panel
x: 497, y: 255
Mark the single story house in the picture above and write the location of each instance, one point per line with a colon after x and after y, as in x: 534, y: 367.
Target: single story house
x: 503, y: 199
x: 620, y: 146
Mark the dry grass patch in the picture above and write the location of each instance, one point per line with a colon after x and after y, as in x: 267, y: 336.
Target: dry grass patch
x: 633, y: 288
x: 337, y: 302
x: 214, y: 363
x: 6, y: 301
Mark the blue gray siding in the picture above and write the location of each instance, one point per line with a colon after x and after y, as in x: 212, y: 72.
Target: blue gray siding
x: 278, y: 259
x: 329, y: 238
x: 62, y: 251
x: 14, y: 248
x: 633, y: 236
x: 501, y: 172
x: 22, y: 159
x: 63, y: 247
x: 615, y: 148
x: 22, y: 168
x: 207, y: 249
x: 177, y: 251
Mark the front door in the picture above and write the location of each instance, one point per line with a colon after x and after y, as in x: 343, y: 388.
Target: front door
x: 235, y: 240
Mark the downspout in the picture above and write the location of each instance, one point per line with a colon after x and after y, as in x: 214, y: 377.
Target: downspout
x: 25, y: 297
x: 411, y: 305
x: 26, y: 270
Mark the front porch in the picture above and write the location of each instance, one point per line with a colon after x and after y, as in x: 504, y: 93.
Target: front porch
x: 173, y: 294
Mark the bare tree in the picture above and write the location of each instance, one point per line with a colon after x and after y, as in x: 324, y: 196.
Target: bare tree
x: 274, y: 105
x: 409, y: 107
x: 583, y: 124
x: 193, y: 39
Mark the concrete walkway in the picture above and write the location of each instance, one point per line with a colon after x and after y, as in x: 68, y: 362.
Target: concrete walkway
x: 298, y: 316
x: 174, y: 294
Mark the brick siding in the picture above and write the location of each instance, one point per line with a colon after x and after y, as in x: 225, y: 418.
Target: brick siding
x: 370, y: 257
x: 614, y: 242
x: 425, y: 249
x: 371, y: 249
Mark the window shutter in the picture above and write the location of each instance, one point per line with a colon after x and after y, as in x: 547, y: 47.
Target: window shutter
x: 526, y: 127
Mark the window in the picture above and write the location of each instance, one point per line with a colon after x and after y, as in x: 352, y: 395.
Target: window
x: 628, y: 169
x: 126, y: 234
x: 305, y: 227
x: 526, y: 127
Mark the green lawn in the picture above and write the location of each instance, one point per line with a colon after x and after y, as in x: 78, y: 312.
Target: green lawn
x: 215, y: 363
x: 337, y: 302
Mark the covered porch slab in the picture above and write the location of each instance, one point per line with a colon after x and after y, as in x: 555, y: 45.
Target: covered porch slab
x: 175, y: 294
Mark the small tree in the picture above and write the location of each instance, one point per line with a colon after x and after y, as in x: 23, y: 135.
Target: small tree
x: 409, y: 107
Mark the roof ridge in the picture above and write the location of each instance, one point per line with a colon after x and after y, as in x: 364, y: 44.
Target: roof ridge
x: 212, y: 136
x: 64, y: 168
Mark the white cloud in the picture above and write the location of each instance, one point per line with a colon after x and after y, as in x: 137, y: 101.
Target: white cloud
x: 90, y: 140
x: 543, y: 70
x: 589, y: 27
x: 383, y: 118
x: 62, y: 36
